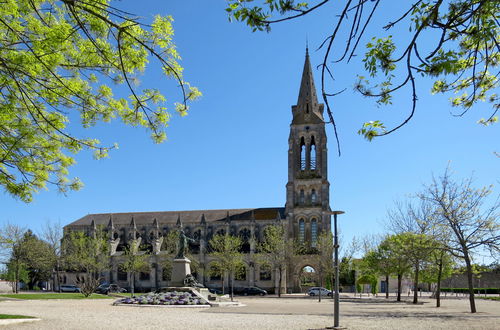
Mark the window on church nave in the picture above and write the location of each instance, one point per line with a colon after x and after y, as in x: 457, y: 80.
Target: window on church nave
x: 314, y: 233
x: 314, y: 197
x: 302, y: 198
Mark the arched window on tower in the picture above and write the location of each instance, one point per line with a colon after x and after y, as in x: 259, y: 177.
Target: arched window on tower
x: 314, y: 197
x: 302, y: 230
x: 302, y: 198
x: 314, y: 233
x: 302, y: 154
x: 312, y: 159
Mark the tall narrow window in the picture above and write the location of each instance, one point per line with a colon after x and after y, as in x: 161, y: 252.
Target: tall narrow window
x: 301, y: 230
x: 314, y: 233
x: 302, y: 154
x: 301, y: 197
x: 312, y: 159
x: 314, y: 197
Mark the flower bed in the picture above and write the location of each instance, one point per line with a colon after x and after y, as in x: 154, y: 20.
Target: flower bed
x: 165, y: 298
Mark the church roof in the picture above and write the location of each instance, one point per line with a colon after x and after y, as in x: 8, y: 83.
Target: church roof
x: 170, y: 217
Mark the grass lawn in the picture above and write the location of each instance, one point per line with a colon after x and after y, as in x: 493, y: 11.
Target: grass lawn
x: 8, y: 316
x: 43, y: 296
x: 490, y: 298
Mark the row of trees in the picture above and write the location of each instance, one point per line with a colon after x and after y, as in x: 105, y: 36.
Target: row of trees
x: 448, y: 223
x: 31, y: 258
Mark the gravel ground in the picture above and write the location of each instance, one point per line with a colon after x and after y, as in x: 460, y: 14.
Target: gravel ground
x: 259, y: 313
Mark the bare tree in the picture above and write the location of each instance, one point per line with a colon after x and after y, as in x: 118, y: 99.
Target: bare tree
x: 52, y: 233
x: 472, y: 226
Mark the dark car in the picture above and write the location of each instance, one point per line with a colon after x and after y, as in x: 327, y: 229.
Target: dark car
x: 69, y: 288
x: 215, y: 291
x: 253, y: 291
x: 109, y: 288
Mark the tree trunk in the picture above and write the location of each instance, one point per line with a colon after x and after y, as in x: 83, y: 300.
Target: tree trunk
x: 222, y: 282
x: 333, y: 285
x: 132, y: 284
x: 16, y: 277
x: 279, y: 282
x: 399, y: 287
x: 231, y: 278
x: 58, y: 281
x: 438, y: 288
x: 320, y: 286
x: 415, y: 284
x: 386, y: 286
x: 470, y: 282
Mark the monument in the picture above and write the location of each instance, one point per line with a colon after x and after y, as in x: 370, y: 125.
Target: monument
x: 181, y: 266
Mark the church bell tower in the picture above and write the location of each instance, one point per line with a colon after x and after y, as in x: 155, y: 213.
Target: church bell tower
x: 308, y: 189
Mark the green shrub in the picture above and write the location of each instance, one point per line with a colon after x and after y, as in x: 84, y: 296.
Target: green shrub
x: 476, y: 290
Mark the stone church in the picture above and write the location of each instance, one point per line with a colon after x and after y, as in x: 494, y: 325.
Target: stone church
x: 305, y: 214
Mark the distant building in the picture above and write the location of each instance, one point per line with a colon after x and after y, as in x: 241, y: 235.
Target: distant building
x: 305, y: 214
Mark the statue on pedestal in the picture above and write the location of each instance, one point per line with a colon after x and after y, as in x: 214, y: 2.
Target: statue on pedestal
x: 183, y: 244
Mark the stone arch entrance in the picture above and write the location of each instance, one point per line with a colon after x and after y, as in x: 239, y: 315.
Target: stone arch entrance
x: 307, y: 277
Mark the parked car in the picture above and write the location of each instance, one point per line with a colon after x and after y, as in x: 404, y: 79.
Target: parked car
x: 314, y: 291
x: 215, y: 291
x: 253, y: 291
x: 69, y: 288
x: 109, y: 288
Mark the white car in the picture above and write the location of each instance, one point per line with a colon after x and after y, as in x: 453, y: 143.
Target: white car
x: 314, y: 291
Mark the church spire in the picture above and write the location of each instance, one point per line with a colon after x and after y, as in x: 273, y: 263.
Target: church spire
x: 307, y: 110
x: 307, y: 92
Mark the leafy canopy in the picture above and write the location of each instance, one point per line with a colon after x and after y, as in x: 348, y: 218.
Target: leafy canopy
x: 62, y: 61
x: 455, y: 43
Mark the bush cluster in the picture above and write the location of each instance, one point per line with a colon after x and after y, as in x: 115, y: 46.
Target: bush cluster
x: 476, y: 290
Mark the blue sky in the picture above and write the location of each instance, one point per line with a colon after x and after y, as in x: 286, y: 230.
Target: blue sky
x: 231, y: 150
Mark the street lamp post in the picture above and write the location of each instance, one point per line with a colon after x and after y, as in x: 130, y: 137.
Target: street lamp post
x: 336, y: 313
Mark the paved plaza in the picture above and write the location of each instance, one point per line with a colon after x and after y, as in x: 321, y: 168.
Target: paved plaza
x: 292, y: 312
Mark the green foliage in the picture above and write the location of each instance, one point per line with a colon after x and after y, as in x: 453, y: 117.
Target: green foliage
x: 134, y: 262
x: 61, y: 60
x: 87, y: 255
x: 36, y: 257
x: 10, y: 316
x: 46, y: 296
x: 276, y: 250
x: 476, y: 290
x: 454, y: 43
x: 225, y: 252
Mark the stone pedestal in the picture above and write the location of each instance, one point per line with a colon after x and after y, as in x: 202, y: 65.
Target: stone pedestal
x: 180, y: 268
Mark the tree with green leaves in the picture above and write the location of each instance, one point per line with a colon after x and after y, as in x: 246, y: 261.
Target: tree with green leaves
x: 10, y: 236
x: 226, y: 255
x: 468, y: 216
x: 168, y: 250
x: 417, y: 249
x: 379, y: 262
x: 454, y: 43
x: 134, y: 262
x: 393, y: 248
x: 276, y: 250
x: 87, y: 255
x: 15, y: 273
x: 37, y: 257
x: 63, y: 61
x: 438, y: 268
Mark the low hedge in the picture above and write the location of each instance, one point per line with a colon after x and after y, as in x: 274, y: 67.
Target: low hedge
x: 476, y: 290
